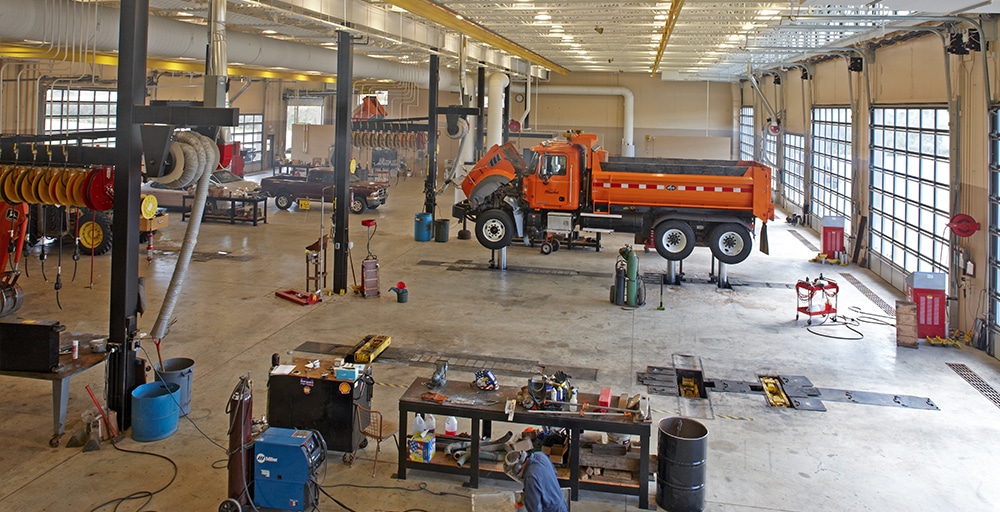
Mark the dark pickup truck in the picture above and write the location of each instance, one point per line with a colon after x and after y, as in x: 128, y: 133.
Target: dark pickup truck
x: 318, y: 183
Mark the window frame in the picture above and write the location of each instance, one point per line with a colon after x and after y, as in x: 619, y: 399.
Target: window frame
x: 832, y: 192
x: 910, y: 188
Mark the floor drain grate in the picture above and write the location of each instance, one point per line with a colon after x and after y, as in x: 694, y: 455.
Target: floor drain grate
x: 972, y: 378
x: 809, y: 245
x: 867, y: 292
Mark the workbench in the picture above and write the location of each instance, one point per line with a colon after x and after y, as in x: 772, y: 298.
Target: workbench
x: 315, y: 399
x: 226, y: 208
x: 485, y: 407
x: 67, y: 368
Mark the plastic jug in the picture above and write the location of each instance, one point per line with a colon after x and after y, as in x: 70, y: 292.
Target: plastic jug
x: 430, y: 423
x: 418, y: 425
x: 451, y: 426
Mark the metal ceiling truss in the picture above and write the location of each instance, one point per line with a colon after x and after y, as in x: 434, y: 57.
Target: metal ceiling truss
x: 708, y: 39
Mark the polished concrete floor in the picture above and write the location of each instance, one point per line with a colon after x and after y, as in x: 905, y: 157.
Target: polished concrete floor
x: 551, y: 309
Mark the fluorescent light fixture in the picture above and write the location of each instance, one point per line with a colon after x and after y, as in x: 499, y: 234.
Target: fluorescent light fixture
x: 269, y: 31
x: 543, y: 17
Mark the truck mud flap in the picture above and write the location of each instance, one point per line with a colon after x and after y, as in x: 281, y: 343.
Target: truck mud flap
x: 764, y: 248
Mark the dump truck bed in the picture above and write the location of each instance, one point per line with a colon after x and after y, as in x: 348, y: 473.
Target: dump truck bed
x: 678, y: 183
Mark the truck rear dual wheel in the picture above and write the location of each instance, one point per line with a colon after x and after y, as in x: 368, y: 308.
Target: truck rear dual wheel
x: 730, y: 243
x: 673, y: 239
x: 494, y: 229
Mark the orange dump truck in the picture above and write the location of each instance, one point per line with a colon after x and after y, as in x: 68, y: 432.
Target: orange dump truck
x: 571, y: 185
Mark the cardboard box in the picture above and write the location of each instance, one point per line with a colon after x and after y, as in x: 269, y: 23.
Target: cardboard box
x: 158, y: 222
x: 556, y: 452
x: 421, y: 447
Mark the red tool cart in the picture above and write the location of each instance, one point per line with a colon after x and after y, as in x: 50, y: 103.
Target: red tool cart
x: 817, y: 297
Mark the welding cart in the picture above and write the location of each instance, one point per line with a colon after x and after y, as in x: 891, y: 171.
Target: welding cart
x: 816, y: 298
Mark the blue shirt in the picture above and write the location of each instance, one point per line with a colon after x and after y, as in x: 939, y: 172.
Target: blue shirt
x: 541, y: 486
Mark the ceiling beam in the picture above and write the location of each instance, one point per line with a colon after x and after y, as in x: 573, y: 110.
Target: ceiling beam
x: 447, y: 18
x: 668, y: 28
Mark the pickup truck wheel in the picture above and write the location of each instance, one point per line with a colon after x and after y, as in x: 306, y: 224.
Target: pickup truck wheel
x: 284, y: 201
x: 730, y: 243
x: 673, y: 239
x: 494, y: 229
x: 358, y: 205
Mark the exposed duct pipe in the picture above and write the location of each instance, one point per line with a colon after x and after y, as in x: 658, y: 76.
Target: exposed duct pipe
x: 527, y: 102
x: 173, y: 39
x: 494, y: 117
x: 628, y: 124
x: 217, y: 62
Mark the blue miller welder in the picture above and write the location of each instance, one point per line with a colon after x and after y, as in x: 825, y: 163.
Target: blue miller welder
x: 286, y: 465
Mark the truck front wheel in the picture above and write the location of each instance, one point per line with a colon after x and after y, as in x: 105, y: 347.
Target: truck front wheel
x: 673, y: 239
x: 494, y: 229
x: 730, y: 243
x: 284, y: 201
x: 358, y: 205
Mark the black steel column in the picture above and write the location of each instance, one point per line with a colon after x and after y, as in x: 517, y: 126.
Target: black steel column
x: 481, y: 118
x: 342, y: 158
x: 133, y: 31
x: 430, y: 197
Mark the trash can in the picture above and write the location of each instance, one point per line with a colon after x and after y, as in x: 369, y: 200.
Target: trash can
x: 422, y: 227
x: 682, y: 446
x: 441, y: 230
x: 180, y: 371
x: 155, y: 411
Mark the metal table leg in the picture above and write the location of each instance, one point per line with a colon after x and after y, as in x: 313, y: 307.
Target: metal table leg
x: 60, y: 396
x: 574, y: 464
x: 401, y: 467
x: 474, y: 459
x: 644, y: 472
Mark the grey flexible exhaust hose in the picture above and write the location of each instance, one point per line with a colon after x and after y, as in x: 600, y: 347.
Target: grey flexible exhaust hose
x: 208, y: 148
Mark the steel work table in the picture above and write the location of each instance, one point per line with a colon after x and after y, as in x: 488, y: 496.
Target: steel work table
x: 483, y: 413
x: 67, y: 368
x: 225, y: 208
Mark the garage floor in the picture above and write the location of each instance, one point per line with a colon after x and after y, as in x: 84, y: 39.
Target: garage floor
x: 551, y: 309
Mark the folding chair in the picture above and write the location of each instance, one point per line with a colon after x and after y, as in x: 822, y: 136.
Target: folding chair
x: 373, y: 426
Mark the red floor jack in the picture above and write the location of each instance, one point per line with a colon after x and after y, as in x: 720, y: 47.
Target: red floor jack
x: 369, y: 267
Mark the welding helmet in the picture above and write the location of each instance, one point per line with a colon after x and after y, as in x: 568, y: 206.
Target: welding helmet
x: 486, y: 380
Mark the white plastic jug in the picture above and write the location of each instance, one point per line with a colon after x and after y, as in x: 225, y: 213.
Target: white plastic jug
x: 418, y: 425
x: 451, y: 426
x: 430, y: 423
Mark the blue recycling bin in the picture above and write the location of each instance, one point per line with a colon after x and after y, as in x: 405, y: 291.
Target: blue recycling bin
x: 422, y: 223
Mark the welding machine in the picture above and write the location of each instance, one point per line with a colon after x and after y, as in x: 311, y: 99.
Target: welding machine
x: 286, y: 464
